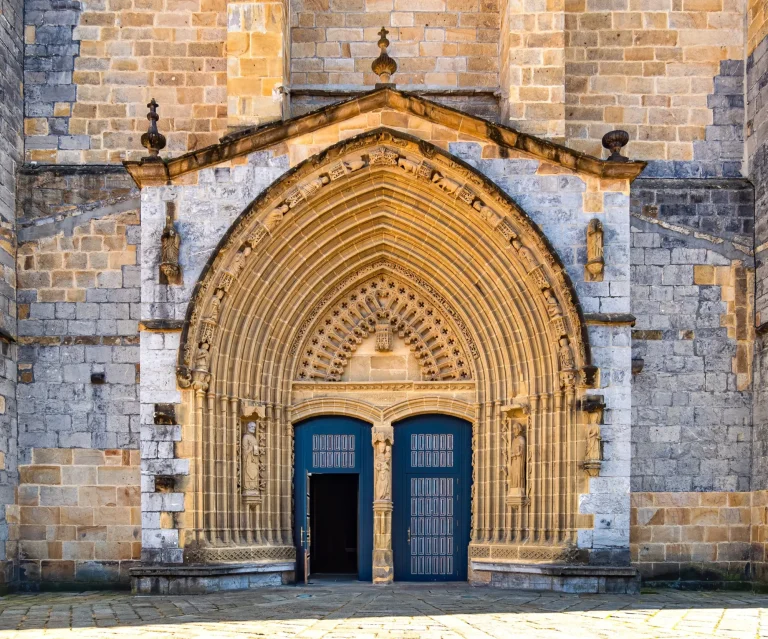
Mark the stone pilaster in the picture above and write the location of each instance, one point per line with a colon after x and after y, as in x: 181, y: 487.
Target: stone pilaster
x: 254, y: 62
x: 383, y: 566
x: 533, y: 67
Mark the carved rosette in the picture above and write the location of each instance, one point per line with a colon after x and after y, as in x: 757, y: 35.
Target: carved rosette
x: 391, y: 151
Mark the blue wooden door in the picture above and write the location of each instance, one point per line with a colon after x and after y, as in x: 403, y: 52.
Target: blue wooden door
x: 341, y: 445
x: 432, y: 461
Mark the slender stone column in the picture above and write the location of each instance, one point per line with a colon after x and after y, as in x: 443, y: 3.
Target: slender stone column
x: 383, y: 567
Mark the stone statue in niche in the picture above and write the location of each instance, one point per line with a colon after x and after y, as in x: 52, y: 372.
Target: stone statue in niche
x: 593, y: 455
x: 170, y: 243
x: 516, y: 465
x: 593, y: 270
x: 252, y: 468
x: 593, y: 442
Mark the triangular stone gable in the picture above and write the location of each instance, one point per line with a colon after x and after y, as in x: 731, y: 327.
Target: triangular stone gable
x: 398, y: 110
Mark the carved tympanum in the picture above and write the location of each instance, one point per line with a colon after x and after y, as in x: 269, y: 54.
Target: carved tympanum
x: 386, y: 306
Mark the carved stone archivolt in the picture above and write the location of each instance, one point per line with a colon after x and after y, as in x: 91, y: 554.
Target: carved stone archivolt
x: 388, y: 237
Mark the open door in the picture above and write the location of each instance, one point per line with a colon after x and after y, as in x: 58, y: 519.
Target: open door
x: 333, y: 497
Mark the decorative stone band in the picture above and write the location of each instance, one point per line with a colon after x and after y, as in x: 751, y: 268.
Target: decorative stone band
x: 161, y: 325
x: 237, y: 554
x: 544, y: 554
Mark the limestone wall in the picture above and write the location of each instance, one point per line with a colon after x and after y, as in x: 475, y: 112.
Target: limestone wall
x: 11, y: 155
x: 78, y: 309
x: 692, y: 296
x: 76, y: 522
x: 567, y: 71
x: 437, y: 43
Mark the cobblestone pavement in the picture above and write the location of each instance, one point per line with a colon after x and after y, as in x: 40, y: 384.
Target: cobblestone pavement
x: 361, y: 611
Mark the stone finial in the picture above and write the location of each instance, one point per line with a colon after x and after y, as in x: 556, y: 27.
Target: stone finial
x: 384, y: 66
x: 614, y: 141
x: 153, y: 140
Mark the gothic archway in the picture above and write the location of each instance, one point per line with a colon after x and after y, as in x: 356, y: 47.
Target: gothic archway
x: 386, y: 237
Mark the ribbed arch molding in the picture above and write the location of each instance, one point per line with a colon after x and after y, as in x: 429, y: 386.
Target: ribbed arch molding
x: 470, y: 284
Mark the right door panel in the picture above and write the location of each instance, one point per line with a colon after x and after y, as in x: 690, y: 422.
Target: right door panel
x: 432, y: 475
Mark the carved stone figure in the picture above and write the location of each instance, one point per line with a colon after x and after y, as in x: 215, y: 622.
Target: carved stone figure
x: 565, y: 355
x: 203, y: 359
x: 382, y: 437
x: 354, y: 165
x: 593, y: 270
x: 486, y: 212
x: 250, y: 453
x: 408, y: 165
x: 216, y: 305
x: 170, y: 243
x: 593, y: 442
x: 275, y: 217
x: 525, y: 254
x: 447, y: 185
x: 239, y: 261
x: 553, y: 306
x: 383, y: 457
x: 516, y: 476
x: 313, y: 186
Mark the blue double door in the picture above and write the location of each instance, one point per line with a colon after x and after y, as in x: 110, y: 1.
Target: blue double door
x: 431, y: 477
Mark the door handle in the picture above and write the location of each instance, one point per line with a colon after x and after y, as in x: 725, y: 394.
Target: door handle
x: 409, y: 535
x: 301, y: 536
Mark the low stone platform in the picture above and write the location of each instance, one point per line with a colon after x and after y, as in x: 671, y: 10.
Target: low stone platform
x: 557, y: 577
x: 193, y: 579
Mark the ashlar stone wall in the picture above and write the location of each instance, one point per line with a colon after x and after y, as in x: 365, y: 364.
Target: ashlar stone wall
x: 76, y: 522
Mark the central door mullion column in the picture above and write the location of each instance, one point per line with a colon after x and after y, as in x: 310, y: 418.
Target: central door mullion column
x: 382, y: 438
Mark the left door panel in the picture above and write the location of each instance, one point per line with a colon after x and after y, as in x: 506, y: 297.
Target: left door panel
x: 333, y: 445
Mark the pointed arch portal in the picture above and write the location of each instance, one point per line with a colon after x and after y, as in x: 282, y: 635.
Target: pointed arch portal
x: 380, y: 279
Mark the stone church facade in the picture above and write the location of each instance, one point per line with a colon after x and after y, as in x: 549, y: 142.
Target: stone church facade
x: 251, y: 249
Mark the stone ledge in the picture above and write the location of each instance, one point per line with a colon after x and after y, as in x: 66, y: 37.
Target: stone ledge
x: 609, y: 319
x: 193, y: 579
x: 559, y: 577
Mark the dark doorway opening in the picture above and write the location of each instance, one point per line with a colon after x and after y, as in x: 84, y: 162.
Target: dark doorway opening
x: 333, y: 518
